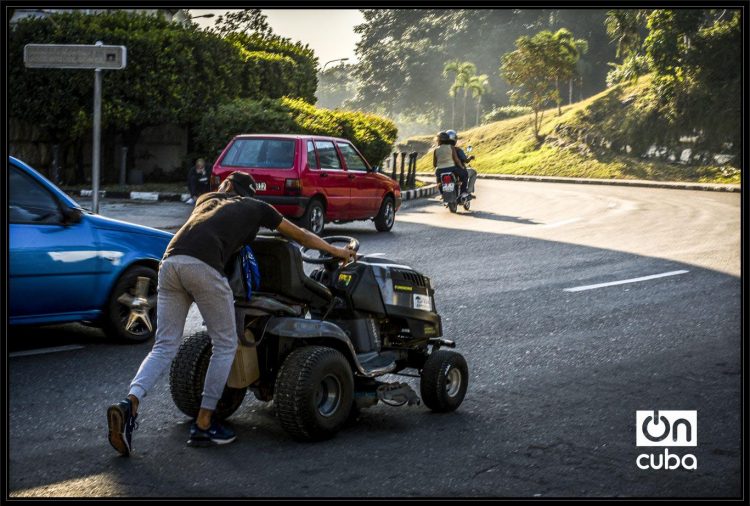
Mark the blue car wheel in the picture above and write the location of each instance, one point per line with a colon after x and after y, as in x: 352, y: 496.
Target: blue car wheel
x: 131, y: 309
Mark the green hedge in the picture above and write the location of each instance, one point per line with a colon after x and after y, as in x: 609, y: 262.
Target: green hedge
x: 372, y: 135
x: 293, y: 71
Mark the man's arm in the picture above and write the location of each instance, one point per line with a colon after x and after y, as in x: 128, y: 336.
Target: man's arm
x: 457, y: 160
x: 310, y: 240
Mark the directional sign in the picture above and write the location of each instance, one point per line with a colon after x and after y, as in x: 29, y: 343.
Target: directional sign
x: 75, y: 56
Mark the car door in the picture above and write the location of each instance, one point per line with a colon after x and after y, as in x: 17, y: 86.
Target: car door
x: 53, y: 266
x: 366, y: 190
x: 334, y: 179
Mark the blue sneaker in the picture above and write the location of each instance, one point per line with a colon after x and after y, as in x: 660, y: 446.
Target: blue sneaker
x: 121, y: 426
x: 217, y: 434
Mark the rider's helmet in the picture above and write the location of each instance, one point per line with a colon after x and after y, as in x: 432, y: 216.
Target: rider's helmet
x: 452, y: 135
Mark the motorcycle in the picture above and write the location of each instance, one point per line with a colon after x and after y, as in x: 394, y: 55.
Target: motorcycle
x: 451, y: 188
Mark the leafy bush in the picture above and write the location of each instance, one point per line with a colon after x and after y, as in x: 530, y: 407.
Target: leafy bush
x: 633, y: 65
x: 295, y: 77
x: 505, y: 112
x: 372, y: 135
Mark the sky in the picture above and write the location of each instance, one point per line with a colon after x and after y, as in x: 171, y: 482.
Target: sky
x: 329, y: 32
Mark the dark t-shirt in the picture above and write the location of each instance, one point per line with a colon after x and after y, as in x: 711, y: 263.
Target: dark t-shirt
x: 461, y: 155
x: 218, y: 227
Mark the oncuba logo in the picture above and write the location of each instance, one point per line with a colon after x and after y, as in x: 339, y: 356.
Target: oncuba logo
x: 666, y: 429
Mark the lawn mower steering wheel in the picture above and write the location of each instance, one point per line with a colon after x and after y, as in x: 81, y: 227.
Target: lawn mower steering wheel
x: 324, y: 257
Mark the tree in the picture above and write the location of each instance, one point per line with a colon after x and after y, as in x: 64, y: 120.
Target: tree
x: 625, y: 28
x: 402, y: 53
x: 531, y: 72
x: 336, y: 85
x: 243, y: 21
x: 452, y: 67
x: 696, y: 58
x: 479, y: 85
x: 173, y: 71
x: 568, y: 51
x: 463, y: 72
x: 582, y: 47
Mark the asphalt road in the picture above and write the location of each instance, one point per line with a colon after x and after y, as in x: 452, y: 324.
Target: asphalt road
x: 556, y: 375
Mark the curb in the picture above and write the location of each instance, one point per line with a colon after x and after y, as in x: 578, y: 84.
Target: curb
x: 425, y: 191
x: 640, y: 183
x: 152, y: 196
x: 418, y: 193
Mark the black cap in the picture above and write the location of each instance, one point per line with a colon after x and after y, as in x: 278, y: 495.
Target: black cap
x: 243, y: 183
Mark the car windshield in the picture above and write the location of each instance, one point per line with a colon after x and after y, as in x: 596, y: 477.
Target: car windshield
x: 261, y: 153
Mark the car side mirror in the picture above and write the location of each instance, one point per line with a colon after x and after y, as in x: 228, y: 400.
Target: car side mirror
x: 71, y: 215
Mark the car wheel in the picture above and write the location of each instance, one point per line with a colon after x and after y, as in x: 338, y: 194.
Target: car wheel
x: 188, y: 373
x: 386, y: 216
x: 314, y: 393
x: 444, y: 379
x: 131, y: 309
x: 314, y: 218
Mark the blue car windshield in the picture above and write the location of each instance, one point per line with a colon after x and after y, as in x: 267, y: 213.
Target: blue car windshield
x: 261, y: 153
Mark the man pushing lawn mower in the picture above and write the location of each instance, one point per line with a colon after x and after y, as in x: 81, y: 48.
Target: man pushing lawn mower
x: 192, y: 270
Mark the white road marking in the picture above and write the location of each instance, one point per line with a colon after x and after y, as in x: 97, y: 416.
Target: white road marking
x: 42, y: 351
x: 624, y: 281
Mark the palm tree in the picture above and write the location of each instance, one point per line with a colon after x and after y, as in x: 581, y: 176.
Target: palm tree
x: 479, y: 85
x: 452, y: 67
x: 568, y: 51
x: 463, y: 72
x: 582, y: 47
x: 468, y: 70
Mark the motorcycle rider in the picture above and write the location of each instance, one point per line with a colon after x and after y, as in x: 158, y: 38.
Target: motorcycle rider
x: 472, y: 174
x: 445, y: 159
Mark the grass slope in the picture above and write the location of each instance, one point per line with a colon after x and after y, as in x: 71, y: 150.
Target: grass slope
x: 510, y: 147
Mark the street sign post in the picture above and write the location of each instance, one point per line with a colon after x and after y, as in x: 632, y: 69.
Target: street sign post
x: 79, y: 56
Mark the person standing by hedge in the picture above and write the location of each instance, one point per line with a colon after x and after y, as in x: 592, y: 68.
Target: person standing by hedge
x: 198, y: 180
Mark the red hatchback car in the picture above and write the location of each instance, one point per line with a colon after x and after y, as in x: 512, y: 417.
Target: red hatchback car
x: 312, y: 179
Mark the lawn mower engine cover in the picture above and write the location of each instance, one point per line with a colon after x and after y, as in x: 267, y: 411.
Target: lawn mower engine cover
x: 385, y: 288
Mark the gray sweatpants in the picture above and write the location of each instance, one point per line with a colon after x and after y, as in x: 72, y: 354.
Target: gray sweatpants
x: 182, y: 280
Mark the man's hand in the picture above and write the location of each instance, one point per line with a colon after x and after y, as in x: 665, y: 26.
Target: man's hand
x: 310, y: 240
x: 346, y: 254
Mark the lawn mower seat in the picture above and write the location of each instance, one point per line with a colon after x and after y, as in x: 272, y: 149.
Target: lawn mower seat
x: 280, y: 264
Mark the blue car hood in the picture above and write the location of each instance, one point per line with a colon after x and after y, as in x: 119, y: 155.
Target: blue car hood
x: 103, y: 222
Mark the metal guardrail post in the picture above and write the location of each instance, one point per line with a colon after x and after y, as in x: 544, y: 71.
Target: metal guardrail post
x: 401, y: 177
x: 412, y: 176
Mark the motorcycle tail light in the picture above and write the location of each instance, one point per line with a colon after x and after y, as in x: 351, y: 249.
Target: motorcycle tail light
x: 447, y: 178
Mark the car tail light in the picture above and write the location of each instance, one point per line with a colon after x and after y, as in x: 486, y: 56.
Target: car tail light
x: 215, y: 182
x: 293, y: 186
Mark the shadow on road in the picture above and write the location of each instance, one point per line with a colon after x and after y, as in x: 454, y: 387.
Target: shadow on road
x: 484, y: 215
x: 555, y: 380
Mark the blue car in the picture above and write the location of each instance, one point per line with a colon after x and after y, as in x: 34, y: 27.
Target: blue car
x: 68, y: 264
